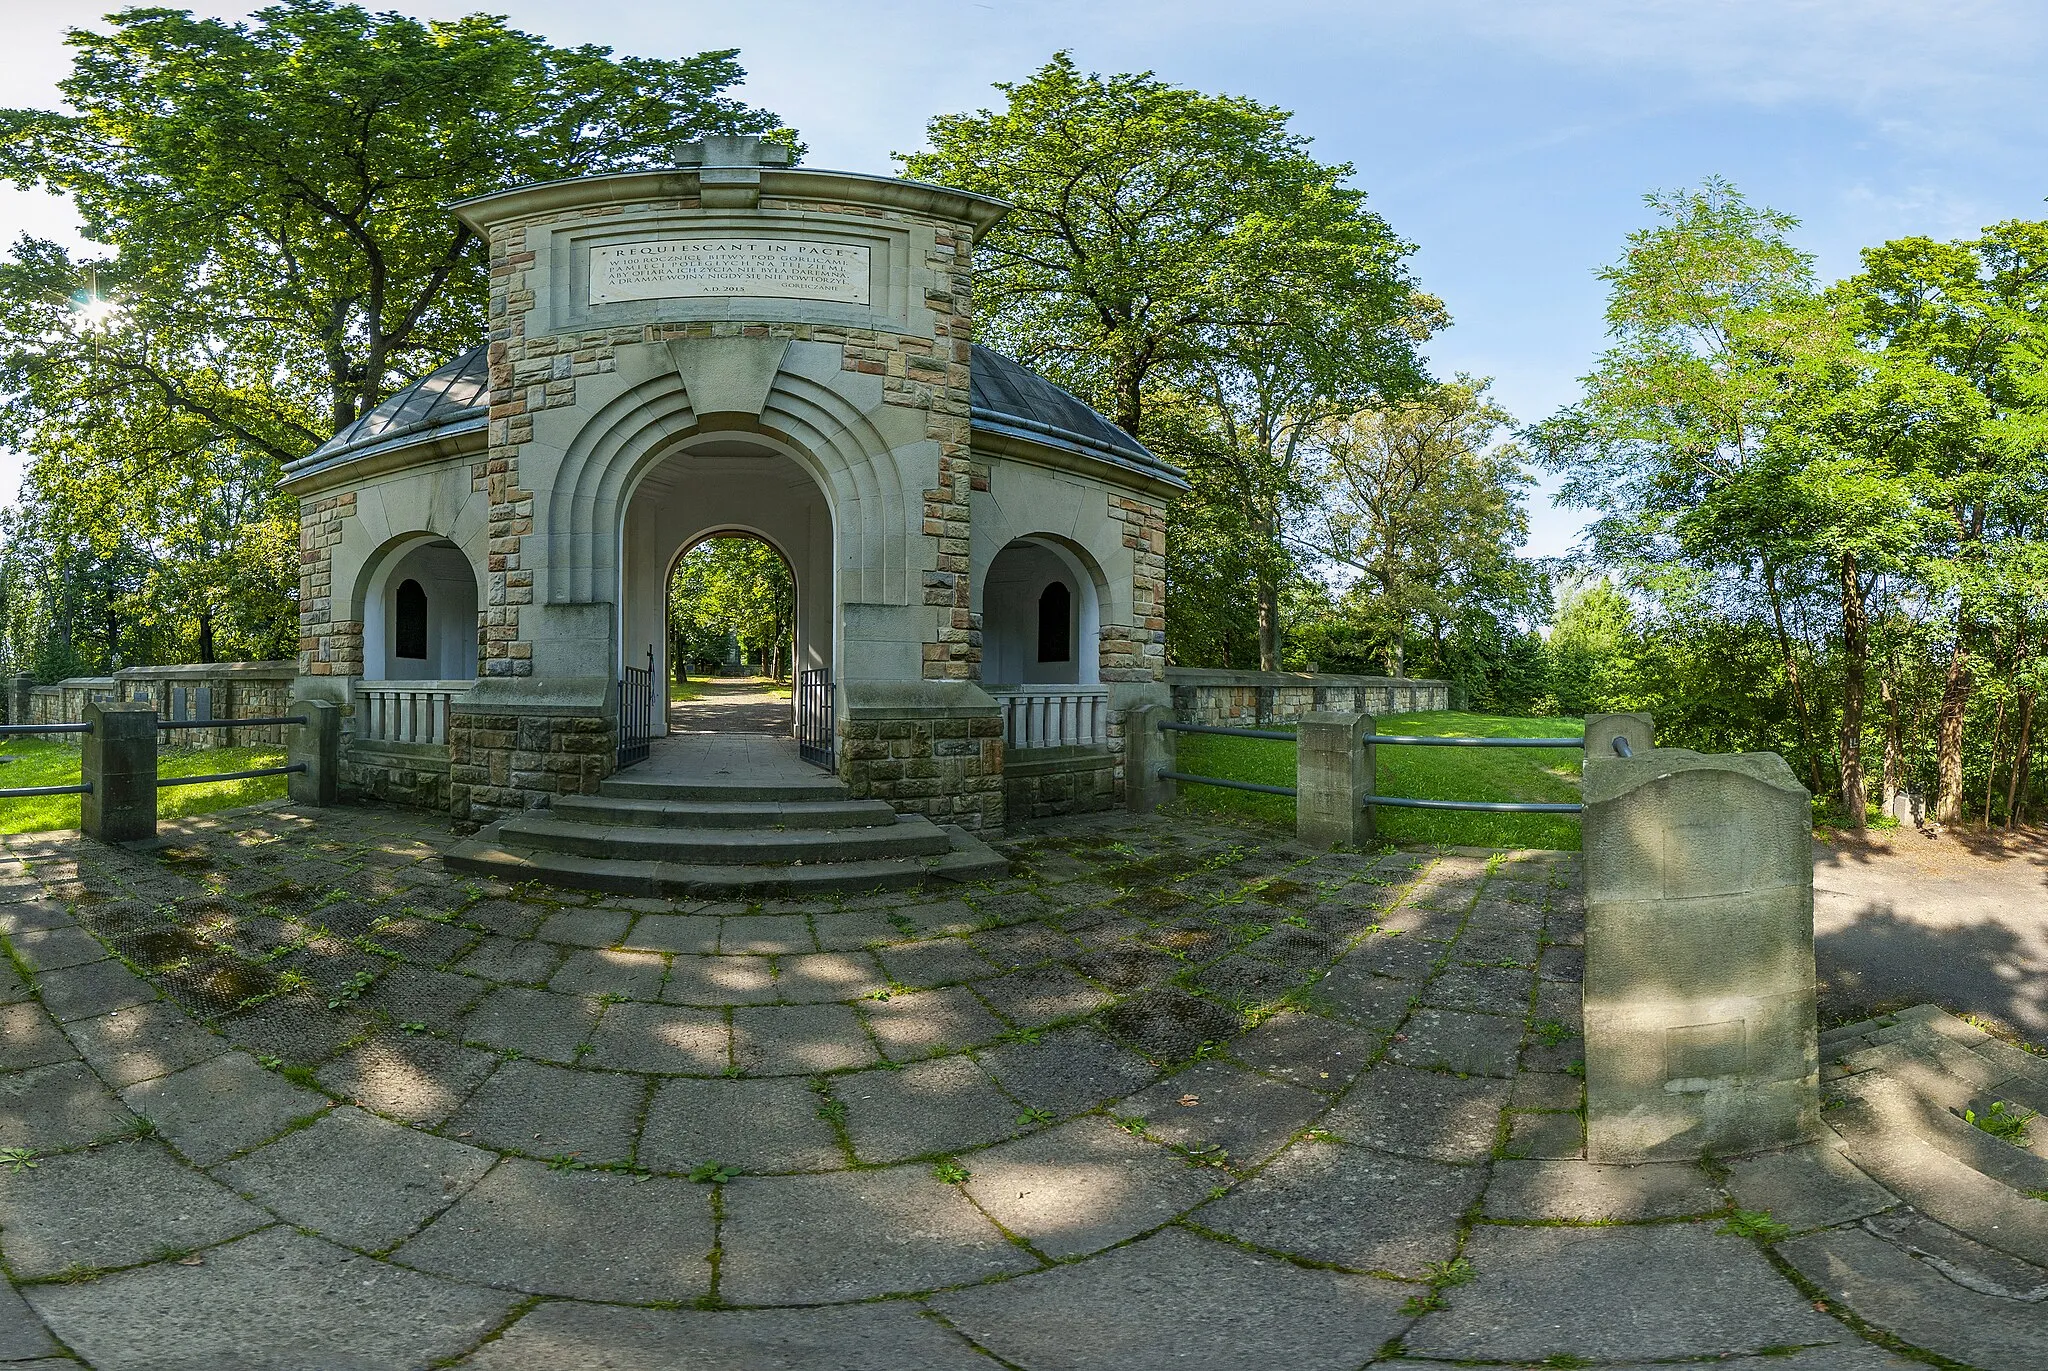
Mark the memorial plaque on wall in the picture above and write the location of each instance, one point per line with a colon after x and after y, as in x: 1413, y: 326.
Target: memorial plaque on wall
x: 702, y: 268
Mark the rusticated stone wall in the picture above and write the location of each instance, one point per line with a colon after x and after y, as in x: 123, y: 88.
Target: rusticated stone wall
x: 943, y: 760
x: 1253, y: 699
x: 1045, y: 782
x: 328, y: 646
x: 502, y: 763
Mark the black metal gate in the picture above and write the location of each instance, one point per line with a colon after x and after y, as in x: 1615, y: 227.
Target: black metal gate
x: 636, y: 713
x: 814, y: 735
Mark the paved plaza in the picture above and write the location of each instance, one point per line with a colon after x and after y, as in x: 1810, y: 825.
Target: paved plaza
x: 1173, y: 1094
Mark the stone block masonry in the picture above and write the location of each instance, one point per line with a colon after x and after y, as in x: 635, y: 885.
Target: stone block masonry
x: 923, y: 754
x: 328, y: 646
x: 503, y: 763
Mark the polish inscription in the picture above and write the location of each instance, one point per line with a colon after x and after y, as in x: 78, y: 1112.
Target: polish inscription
x: 697, y: 268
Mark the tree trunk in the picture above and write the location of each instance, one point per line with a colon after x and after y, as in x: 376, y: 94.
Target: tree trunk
x: 1856, y: 652
x: 1991, y: 772
x: 1792, y: 675
x: 1894, y: 754
x: 2022, y: 751
x: 206, y: 635
x: 1948, y: 736
x: 1269, y: 624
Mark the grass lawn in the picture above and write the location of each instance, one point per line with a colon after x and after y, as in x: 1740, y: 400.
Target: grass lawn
x: 1423, y: 773
x: 42, y: 761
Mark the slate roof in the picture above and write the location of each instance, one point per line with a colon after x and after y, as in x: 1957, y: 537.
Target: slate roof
x: 444, y: 398
x: 1007, y: 397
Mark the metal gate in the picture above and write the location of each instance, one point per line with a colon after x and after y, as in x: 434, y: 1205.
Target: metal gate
x: 636, y: 713
x: 814, y: 733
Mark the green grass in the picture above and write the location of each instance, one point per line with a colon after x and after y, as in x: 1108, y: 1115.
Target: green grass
x: 41, y: 761
x: 1423, y: 773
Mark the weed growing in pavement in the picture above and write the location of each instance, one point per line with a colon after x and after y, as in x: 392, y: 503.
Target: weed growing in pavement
x: 564, y: 1161
x: 18, y: 1158
x: 1133, y: 1124
x: 1756, y: 1223
x: 1033, y: 1116
x: 611, y: 997
x: 413, y: 1026
x: 351, y: 990
x: 1444, y: 1274
x: 2002, y: 1121
x: 951, y: 1172
x: 712, y: 1173
x: 1577, y: 1069
x: 1416, y: 1305
x: 1551, y: 1032
x: 832, y: 1111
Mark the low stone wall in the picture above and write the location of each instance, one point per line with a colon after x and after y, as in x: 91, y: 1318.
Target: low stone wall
x: 1045, y: 782
x: 235, y: 690
x: 515, y: 743
x: 930, y: 748
x: 413, y: 774
x: 1254, y: 699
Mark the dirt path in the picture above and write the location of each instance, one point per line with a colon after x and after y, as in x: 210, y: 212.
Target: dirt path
x: 1961, y: 920
x: 747, y: 705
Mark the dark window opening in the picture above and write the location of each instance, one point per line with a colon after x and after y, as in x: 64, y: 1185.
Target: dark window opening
x: 412, y: 621
x: 1055, y: 616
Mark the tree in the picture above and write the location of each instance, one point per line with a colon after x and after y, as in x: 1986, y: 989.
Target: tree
x: 272, y: 194
x: 1424, y: 501
x: 1173, y: 250
x: 733, y: 591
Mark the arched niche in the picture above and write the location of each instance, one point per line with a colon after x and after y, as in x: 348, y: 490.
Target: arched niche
x: 1035, y: 588
x: 419, y: 603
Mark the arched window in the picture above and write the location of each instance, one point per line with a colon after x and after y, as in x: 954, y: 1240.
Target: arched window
x: 411, y: 621
x: 1055, y: 618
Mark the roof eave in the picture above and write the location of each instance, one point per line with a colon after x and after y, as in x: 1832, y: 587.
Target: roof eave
x: 460, y: 437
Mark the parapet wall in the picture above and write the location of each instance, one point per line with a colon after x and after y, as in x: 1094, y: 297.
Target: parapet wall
x: 1253, y: 699
x: 191, y: 690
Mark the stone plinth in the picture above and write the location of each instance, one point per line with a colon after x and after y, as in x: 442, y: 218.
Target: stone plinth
x: 119, y: 763
x: 931, y: 748
x: 315, y: 745
x: 515, y: 743
x: 1333, y: 775
x: 1699, y: 993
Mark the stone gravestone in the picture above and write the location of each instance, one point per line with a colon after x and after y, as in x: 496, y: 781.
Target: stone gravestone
x: 1699, y: 999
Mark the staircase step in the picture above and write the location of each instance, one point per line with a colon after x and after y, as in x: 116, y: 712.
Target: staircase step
x: 909, y: 836
x: 967, y: 858
x: 736, y: 791
x: 794, y: 814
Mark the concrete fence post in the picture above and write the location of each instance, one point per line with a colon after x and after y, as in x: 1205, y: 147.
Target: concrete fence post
x: 19, y: 699
x: 1334, y: 766
x: 118, y: 761
x: 317, y: 743
x: 1699, y: 992
x: 1147, y: 752
x: 1639, y: 731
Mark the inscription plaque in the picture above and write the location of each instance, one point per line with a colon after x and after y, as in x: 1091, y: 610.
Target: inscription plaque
x: 699, y: 268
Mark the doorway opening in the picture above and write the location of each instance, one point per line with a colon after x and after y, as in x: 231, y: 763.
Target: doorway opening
x: 732, y: 636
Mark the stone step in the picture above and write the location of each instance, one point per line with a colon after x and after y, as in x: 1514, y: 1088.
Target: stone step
x: 966, y: 859
x: 909, y: 835
x: 736, y: 791
x: 644, y: 813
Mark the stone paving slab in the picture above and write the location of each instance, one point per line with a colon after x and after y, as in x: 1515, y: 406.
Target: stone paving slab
x: 574, y: 1337
x: 1351, y: 1207
x: 412, y: 1077
x: 1584, y: 1192
x: 63, y: 1105
x: 1885, y: 1284
x: 113, y: 1206
x: 1421, y: 1113
x: 1083, y: 1186
x: 756, y: 1125
x: 1451, y: 1040
x: 799, y: 1039
x: 661, y: 1038
x: 29, y: 1037
x: 142, y: 1042
x: 816, y: 1239
x: 217, y: 1108
x: 550, y: 1111
x: 91, y: 989
x: 275, y: 1301
x: 1608, y: 1293
x: 22, y: 1335
x: 598, y: 1235
x: 1215, y: 1106
x: 1806, y: 1187
x: 357, y: 1179
x: 918, y: 1023
x: 929, y: 1107
x: 1175, y: 1300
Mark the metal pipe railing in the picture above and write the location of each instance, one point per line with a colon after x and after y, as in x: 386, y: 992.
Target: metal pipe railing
x: 230, y: 723
x: 1271, y: 733
x: 165, y: 782
x: 18, y: 792
x: 1229, y: 785
x: 45, y: 728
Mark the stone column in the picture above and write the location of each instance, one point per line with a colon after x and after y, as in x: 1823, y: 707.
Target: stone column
x: 18, y: 698
x: 1699, y: 995
x: 1639, y: 731
x: 317, y: 743
x: 1333, y: 775
x: 119, y: 762
x: 1147, y: 752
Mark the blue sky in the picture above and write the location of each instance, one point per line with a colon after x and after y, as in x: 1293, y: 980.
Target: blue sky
x: 1511, y: 140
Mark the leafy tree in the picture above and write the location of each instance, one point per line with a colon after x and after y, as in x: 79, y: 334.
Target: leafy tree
x: 1172, y: 250
x: 1423, y: 500
x: 1593, y: 627
x: 732, y: 592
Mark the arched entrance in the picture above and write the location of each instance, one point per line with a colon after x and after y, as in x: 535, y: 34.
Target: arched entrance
x: 732, y: 636
x: 741, y: 491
